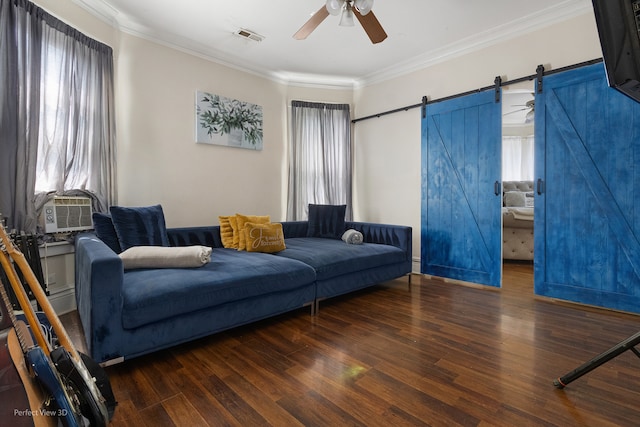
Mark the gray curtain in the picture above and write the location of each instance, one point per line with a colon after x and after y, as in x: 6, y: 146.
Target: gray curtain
x: 319, y: 158
x: 20, y: 43
x: 56, y: 114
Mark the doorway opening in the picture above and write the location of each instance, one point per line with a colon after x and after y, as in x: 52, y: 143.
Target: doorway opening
x: 518, y: 139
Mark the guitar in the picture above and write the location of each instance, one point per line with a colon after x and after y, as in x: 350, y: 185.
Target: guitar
x: 76, y: 399
x: 43, y: 371
x: 16, y: 391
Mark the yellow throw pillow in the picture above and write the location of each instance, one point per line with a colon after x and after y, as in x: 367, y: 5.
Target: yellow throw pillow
x: 233, y: 221
x: 226, y: 232
x: 264, y: 237
x: 242, y: 220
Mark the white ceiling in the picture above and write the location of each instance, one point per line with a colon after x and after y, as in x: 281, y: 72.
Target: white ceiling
x: 420, y: 33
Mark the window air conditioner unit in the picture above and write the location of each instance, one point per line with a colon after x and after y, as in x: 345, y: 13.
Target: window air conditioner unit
x: 66, y: 214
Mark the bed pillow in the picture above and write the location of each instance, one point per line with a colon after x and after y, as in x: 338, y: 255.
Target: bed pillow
x: 528, y: 199
x: 103, y: 226
x: 267, y: 238
x: 514, y: 199
x: 326, y: 221
x: 139, y: 226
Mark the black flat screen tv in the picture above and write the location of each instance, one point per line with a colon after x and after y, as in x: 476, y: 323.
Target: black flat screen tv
x: 618, y: 24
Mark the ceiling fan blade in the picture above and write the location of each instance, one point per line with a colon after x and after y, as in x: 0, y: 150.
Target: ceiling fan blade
x: 515, y: 111
x: 311, y: 24
x: 371, y: 26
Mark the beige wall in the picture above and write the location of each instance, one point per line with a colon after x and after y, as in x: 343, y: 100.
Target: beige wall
x: 388, y: 152
x: 159, y: 161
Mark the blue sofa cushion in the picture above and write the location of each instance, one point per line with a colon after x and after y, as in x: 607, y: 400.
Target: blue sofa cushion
x: 230, y: 276
x: 331, y: 258
x: 103, y: 226
x: 326, y: 221
x: 139, y: 226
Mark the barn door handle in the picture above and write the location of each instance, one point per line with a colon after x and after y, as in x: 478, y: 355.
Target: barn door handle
x: 539, y: 186
x: 496, y: 188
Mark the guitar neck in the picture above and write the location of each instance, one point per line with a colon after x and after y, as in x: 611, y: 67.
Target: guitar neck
x: 6, y: 321
x: 23, y: 301
x: 8, y: 251
x: 8, y: 316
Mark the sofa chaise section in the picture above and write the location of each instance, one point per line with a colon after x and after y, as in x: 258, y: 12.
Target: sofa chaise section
x: 129, y: 314
x: 341, y: 268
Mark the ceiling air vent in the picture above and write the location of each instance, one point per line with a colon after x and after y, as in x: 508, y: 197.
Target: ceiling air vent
x: 248, y: 34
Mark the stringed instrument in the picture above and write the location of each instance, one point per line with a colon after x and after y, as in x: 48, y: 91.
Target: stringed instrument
x: 57, y: 382
x: 16, y: 392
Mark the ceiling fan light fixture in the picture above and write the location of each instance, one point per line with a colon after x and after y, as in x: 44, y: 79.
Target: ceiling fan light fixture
x: 334, y: 7
x: 364, y: 6
x: 529, y: 117
x: 345, y: 8
x: 346, y: 20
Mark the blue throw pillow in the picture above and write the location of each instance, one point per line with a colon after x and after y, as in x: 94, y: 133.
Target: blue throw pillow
x: 139, y: 226
x: 105, y: 231
x: 326, y: 221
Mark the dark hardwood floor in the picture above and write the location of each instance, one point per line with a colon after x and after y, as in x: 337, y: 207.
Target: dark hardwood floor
x: 437, y: 354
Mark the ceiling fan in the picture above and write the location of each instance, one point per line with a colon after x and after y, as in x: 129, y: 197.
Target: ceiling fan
x: 361, y: 9
x: 529, y: 106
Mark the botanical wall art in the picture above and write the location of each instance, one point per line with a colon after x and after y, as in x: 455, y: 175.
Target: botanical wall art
x: 225, y: 121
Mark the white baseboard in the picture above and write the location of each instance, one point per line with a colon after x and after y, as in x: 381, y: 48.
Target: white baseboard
x: 63, y: 301
x: 415, y: 265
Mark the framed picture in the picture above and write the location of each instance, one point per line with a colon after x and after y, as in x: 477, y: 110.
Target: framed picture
x: 226, y: 121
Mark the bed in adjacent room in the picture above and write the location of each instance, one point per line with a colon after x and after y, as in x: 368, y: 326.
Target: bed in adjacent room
x: 517, y: 220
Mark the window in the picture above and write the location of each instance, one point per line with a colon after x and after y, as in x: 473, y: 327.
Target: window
x: 57, y: 112
x: 319, y: 157
x: 517, y: 158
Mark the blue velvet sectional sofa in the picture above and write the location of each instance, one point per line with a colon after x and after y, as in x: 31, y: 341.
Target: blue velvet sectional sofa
x: 128, y: 313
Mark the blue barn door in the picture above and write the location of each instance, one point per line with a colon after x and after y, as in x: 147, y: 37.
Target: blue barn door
x: 461, y: 191
x: 587, y: 223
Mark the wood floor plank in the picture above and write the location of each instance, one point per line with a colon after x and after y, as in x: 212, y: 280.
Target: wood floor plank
x: 203, y: 401
x: 314, y: 409
x: 418, y: 403
x: 156, y: 415
x: 182, y: 412
x: 339, y: 384
x: 270, y: 410
x: 238, y: 407
x: 436, y: 353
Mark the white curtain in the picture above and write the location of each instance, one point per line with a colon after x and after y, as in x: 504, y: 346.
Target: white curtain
x: 517, y: 158
x: 57, y: 108
x: 319, y: 157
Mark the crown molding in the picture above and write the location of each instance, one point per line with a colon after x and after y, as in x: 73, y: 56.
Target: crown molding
x: 560, y: 12
x: 527, y: 24
x: 101, y: 10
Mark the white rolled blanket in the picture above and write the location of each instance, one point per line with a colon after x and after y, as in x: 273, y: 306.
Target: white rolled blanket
x: 165, y: 257
x: 353, y: 237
